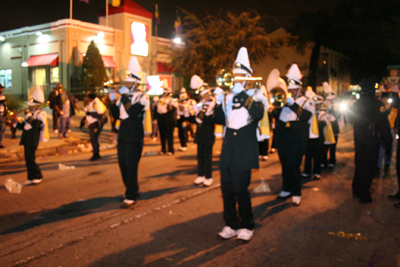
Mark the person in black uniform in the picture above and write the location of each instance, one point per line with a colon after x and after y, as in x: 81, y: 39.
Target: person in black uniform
x: 205, y: 138
x: 185, y: 118
x: 33, y: 130
x: 52, y: 103
x: 95, y: 117
x: 130, y: 138
x: 292, y: 133
x: 240, y: 110
x: 165, y: 111
x: 371, y: 127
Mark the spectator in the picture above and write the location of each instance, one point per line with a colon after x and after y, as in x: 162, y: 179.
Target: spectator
x: 56, y: 115
x: 65, y: 105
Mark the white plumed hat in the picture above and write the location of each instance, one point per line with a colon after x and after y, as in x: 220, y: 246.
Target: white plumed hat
x: 329, y: 94
x: 294, y: 77
x: 274, y: 80
x: 134, y: 69
x: 37, y: 97
x: 196, y: 82
x: 242, y: 62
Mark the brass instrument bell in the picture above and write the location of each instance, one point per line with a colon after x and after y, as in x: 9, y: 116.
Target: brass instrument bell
x: 227, y: 79
x: 278, y: 97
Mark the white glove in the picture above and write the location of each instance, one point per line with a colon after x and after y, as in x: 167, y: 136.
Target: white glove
x: 219, y: 95
x: 237, y: 88
x: 144, y: 101
x: 290, y: 101
x: 260, y: 96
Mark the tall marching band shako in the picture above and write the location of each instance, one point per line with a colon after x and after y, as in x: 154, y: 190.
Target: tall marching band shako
x: 294, y: 79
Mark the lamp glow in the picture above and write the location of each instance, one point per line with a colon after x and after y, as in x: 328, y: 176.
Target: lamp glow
x: 2, y: 39
x: 343, y: 107
x: 177, y: 40
x: 39, y: 33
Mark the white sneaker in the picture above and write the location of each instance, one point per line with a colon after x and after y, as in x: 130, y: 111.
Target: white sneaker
x: 245, y: 234
x: 69, y: 130
x: 33, y: 182
x: 322, y: 165
x: 284, y: 194
x: 331, y: 165
x: 305, y: 175
x: 199, y: 180
x: 264, y: 157
x: 296, y: 200
x: 182, y: 148
x: 56, y: 131
x: 317, y: 176
x: 227, y: 233
x: 208, y: 181
x: 273, y: 150
x: 169, y: 153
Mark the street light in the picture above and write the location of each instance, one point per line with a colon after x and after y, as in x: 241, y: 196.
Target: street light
x: 177, y: 40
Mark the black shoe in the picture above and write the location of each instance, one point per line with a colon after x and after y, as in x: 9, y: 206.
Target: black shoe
x: 365, y: 200
x: 95, y: 157
x: 395, y: 196
x: 1, y: 146
x: 355, y: 196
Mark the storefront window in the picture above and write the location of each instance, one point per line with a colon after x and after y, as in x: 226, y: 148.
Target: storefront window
x: 39, y: 76
x: 6, y: 78
x: 55, y: 75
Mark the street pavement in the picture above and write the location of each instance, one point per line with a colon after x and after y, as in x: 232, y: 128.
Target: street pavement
x: 73, y: 217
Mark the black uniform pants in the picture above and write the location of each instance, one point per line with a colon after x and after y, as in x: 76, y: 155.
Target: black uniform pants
x: 366, y: 160
x: 166, y: 128
x: 263, y: 147
x: 332, y: 153
x: 94, y: 132
x: 129, y: 155
x: 31, y: 165
x: 291, y: 155
x: 234, y: 187
x: 204, y: 160
x: 313, y: 155
x: 182, y: 131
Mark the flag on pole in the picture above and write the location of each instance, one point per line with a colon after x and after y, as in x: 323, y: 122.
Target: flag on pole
x: 86, y: 1
x: 114, y: 3
x: 178, y: 24
x: 156, y: 15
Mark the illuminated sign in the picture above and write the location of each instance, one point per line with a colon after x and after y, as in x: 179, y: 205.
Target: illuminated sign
x: 140, y: 44
x: 155, y: 83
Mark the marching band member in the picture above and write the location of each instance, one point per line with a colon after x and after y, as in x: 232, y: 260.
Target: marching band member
x: 337, y: 122
x: 240, y: 113
x: 185, y: 117
x: 204, y: 137
x: 131, y: 133
x: 292, y: 132
x: 314, y: 146
x: 34, y: 129
x: 165, y: 111
x: 95, y: 117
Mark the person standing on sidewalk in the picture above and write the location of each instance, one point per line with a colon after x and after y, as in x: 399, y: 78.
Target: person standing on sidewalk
x: 33, y: 127
x: 240, y: 110
x: 371, y: 128
x: 3, y: 115
x: 95, y: 117
x: 65, y: 106
x: 52, y: 104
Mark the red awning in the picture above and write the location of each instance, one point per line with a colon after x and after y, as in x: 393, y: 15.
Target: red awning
x: 109, y: 62
x: 165, y: 67
x: 42, y: 60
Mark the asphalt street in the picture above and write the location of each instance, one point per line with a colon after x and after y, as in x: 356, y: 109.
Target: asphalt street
x: 73, y: 218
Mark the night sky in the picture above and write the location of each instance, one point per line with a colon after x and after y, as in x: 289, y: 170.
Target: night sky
x: 276, y: 13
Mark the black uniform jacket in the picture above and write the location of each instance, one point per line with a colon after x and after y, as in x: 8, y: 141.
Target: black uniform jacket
x: 131, y: 129
x: 205, y: 130
x: 292, y: 131
x: 241, y: 146
x: 30, y: 137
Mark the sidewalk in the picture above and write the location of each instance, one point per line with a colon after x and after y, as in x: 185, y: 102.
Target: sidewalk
x: 78, y: 141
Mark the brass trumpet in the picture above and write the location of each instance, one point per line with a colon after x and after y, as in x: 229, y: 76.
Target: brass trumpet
x: 278, y: 97
x: 227, y: 79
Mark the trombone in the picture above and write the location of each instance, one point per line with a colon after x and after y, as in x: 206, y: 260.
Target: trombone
x: 226, y: 79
